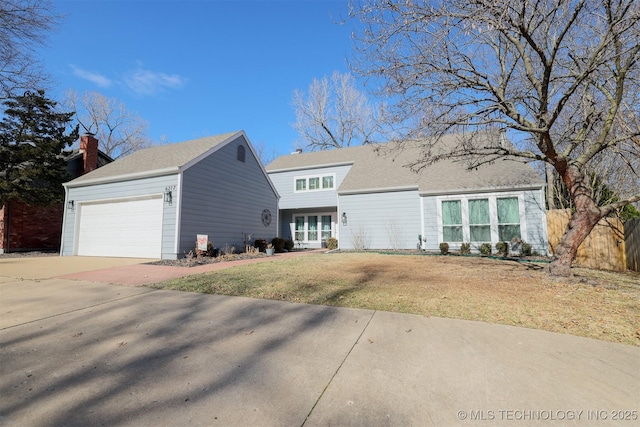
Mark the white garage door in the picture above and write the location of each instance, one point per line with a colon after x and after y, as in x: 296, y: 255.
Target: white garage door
x: 128, y: 228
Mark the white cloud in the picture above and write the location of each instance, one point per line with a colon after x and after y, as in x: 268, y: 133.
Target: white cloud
x: 147, y: 82
x: 95, y: 78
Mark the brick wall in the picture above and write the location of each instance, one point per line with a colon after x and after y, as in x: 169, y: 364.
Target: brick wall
x: 30, y: 227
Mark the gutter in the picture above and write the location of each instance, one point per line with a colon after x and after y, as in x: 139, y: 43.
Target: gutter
x: 378, y: 190
x: 125, y: 177
x: 313, y: 166
x: 479, y: 190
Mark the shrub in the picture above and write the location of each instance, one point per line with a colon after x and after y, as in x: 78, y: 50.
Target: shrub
x: 444, y: 248
x: 211, y: 251
x: 261, y: 244
x: 332, y: 243
x: 465, y: 248
x: 502, y: 248
x: 526, y: 249
x: 288, y: 245
x: 278, y: 244
x: 485, y: 249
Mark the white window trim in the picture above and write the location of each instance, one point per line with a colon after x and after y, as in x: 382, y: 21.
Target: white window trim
x: 306, y: 216
x: 307, y: 177
x: 493, y: 214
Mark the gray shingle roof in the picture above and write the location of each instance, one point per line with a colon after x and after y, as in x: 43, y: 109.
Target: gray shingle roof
x: 379, y: 166
x: 159, y: 159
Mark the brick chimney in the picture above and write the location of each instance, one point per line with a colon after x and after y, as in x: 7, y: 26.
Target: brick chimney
x: 89, y: 147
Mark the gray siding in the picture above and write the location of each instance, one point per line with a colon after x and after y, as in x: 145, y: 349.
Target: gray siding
x: 120, y: 190
x: 388, y: 220
x: 536, y: 217
x: 289, y: 199
x: 224, y: 198
x: 430, y: 232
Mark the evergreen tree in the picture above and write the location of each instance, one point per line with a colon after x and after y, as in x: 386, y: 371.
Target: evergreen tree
x: 33, y: 136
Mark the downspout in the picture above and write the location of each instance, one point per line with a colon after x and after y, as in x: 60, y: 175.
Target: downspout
x: 178, y: 212
x: 421, y: 222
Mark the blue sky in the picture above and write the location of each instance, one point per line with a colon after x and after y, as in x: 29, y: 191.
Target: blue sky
x: 198, y: 68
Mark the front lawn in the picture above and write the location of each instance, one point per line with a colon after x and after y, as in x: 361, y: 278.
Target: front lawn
x: 593, y: 304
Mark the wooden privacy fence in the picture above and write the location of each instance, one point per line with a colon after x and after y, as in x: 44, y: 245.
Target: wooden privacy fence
x: 603, y: 249
x: 632, y: 242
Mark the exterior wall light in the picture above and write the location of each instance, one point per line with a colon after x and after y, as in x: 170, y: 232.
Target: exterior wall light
x: 71, y: 205
x: 344, y: 218
x: 168, y: 196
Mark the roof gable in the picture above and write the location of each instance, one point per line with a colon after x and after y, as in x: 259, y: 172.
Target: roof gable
x: 158, y: 160
x: 384, y: 167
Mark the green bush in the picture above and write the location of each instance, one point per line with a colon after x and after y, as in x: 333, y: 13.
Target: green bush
x: 288, y: 245
x: 444, y: 248
x: 278, y: 244
x: 502, y: 248
x: 526, y: 249
x: 332, y: 243
x: 465, y: 248
x: 485, y: 249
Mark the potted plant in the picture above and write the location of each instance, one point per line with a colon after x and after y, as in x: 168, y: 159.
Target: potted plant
x: 269, y: 250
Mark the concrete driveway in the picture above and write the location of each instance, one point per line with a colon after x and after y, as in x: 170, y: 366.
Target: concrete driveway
x: 78, y: 353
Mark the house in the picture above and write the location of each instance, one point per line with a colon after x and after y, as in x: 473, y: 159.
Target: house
x: 29, y: 228
x: 155, y: 202
x: 368, y: 198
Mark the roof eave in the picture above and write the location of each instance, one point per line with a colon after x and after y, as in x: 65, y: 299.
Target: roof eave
x: 492, y: 189
x: 378, y: 190
x: 320, y: 166
x: 124, y: 177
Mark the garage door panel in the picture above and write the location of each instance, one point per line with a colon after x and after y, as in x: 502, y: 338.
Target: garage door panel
x: 128, y: 228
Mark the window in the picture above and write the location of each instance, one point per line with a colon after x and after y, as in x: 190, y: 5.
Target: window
x: 508, y: 219
x: 451, y: 221
x: 315, y: 183
x: 313, y: 228
x: 479, y: 220
x: 327, y: 182
x: 326, y: 227
x: 241, y: 153
x: 489, y: 220
x: 299, y: 231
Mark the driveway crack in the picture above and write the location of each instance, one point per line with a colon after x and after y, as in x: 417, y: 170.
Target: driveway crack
x: 338, y: 369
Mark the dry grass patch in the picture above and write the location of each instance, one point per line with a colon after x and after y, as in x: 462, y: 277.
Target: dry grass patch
x: 594, y: 304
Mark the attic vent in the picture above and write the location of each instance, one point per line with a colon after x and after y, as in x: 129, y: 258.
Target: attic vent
x: 241, y: 153
x: 298, y: 151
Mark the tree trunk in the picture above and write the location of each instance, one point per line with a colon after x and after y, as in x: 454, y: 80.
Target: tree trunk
x: 580, y: 225
x: 583, y: 220
x: 551, y: 200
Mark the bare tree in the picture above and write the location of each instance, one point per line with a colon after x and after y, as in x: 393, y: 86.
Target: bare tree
x: 23, y: 27
x: 561, y: 74
x: 334, y: 114
x: 118, y: 130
